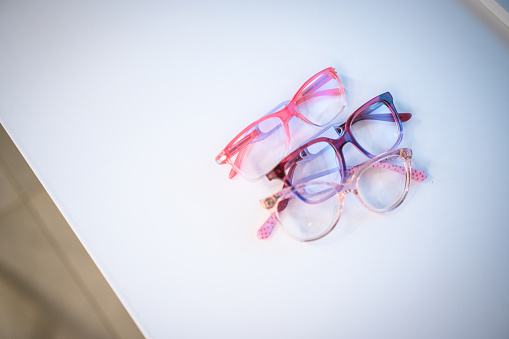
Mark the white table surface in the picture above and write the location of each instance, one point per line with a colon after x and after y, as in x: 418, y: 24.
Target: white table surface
x: 120, y: 108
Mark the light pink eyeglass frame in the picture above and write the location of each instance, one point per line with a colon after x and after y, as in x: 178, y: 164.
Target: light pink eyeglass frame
x: 339, y: 190
x: 284, y: 115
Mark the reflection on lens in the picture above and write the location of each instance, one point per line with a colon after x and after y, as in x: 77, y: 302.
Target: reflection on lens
x: 310, y: 214
x: 376, y: 129
x: 321, y: 100
x: 260, y: 149
x: 383, y: 184
x: 318, y: 162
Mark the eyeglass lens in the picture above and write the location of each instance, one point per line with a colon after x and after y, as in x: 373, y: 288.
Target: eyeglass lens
x: 321, y: 100
x: 376, y: 129
x: 311, y: 213
x: 381, y: 186
x: 260, y: 148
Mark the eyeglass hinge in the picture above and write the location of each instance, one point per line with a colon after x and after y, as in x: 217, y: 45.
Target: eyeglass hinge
x: 276, y: 173
x: 404, y: 154
x: 270, y: 202
x: 220, y: 160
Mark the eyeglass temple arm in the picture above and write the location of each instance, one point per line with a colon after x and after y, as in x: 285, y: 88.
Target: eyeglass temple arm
x: 324, y: 78
x: 266, y: 229
x: 383, y: 117
x: 404, y: 116
x: 326, y: 92
x: 416, y: 174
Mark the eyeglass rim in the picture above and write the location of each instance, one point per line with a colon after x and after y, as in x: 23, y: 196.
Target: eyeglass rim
x: 342, y: 93
x: 284, y: 115
x: 403, y: 153
x: 389, y: 101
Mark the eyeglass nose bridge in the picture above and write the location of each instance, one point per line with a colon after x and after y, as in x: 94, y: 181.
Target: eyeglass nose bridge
x: 340, y: 143
x: 287, y: 113
x: 345, y: 192
x: 293, y: 112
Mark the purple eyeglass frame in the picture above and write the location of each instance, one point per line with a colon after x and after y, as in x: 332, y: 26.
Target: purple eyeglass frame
x: 285, y: 169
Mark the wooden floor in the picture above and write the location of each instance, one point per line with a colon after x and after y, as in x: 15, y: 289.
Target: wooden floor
x: 49, y: 286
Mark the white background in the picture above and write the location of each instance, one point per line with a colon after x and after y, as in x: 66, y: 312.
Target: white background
x: 121, y: 107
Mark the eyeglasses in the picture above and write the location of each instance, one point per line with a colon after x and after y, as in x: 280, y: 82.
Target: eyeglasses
x: 309, y: 211
x: 264, y: 143
x: 374, y: 128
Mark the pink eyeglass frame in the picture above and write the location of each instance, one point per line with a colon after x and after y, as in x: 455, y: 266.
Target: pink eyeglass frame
x: 284, y: 115
x: 339, y: 190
